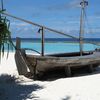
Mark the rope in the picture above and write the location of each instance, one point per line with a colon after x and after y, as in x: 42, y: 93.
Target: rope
x: 87, y: 22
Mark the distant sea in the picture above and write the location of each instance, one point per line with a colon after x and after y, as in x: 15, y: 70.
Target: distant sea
x: 58, y: 45
x: 58, y: 39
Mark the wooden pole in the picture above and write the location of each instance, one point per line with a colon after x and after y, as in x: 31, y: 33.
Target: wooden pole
x: 42, y: 42
x: 81, y: 33
x: 83, y: 5
x: 68, y: 71
x: 56, y: 31
x: 19, y: 55
x: 32, y: 23
x: 18, y: 43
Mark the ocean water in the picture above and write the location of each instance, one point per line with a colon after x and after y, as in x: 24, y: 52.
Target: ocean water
x: 57, y: 47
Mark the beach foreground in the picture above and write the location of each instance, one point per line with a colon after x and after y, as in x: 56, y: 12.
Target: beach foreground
x: 15, y: 87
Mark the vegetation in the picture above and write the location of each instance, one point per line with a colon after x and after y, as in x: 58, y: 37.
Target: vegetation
x: 5, y: 36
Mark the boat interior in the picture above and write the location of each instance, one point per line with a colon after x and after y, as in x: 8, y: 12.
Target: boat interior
x: 72, y: 54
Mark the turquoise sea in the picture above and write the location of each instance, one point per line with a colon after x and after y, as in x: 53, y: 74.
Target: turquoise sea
x: 56, y: 45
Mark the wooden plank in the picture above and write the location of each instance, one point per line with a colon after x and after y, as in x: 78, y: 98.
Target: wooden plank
x: 68, y: 71
x: 18, y: 43
x: 90, y: 68
x: 49, y: 62
x: 20, y: 63
x: 42, y: 41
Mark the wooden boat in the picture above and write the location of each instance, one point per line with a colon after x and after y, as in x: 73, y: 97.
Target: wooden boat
x: 38, y: 64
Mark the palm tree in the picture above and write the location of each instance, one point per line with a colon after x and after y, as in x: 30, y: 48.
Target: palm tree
x: 5, y: 35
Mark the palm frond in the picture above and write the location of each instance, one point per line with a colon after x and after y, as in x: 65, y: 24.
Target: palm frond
x: 3, y: 47
x: 8, y: 51
x: 4, y: 36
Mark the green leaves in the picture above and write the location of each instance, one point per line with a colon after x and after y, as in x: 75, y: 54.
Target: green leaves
x: 5, y: 36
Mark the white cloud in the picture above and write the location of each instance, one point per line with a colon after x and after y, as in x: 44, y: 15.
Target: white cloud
x: 19, y: 24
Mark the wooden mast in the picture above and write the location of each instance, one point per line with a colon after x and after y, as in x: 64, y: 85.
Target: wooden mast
x: 83, y: 5
x: 42, y: 41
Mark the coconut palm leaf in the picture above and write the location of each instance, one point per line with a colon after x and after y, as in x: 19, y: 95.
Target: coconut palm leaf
x: 3, y: 47
x: 8, y: 51
x: 5, y: 36
x: 0, y: 53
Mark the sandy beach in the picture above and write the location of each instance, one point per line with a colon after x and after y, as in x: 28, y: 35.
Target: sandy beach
x: 15, y: 87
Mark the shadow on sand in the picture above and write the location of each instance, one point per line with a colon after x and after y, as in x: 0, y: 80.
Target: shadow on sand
x: 12, y: 90
x: 66, y: 98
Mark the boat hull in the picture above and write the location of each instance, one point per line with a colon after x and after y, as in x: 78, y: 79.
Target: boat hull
x: 40, y: 64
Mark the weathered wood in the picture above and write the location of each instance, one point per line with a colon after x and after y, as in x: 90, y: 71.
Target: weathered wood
x: 38, y: 64
x: 42, y: 41
x: 18, y: 43
x: 20, y: 61
x: 90, y: 68
x: 49, y: 62
x: 83, y: 5
x: 32, y: 63
x: 68, y: 71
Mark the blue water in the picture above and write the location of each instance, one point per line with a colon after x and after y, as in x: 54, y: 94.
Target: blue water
x: 57, y: 47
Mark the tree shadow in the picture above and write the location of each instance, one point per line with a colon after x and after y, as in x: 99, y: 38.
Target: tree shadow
x: 10, y: 89
x: 66, y: 98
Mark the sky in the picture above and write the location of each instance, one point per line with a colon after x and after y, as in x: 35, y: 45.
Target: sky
x: 62, y: 15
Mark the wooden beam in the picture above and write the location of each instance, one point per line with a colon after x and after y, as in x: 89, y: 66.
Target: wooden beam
x: 53, y: 30
x: 42, y: 41
x: 68, y: 71
x: 21, y: 64
x: 18, y: 43
x: 32, y: 23
x: 90, y: 68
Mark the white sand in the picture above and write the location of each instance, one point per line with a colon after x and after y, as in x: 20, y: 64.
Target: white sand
x: 21, y: 88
